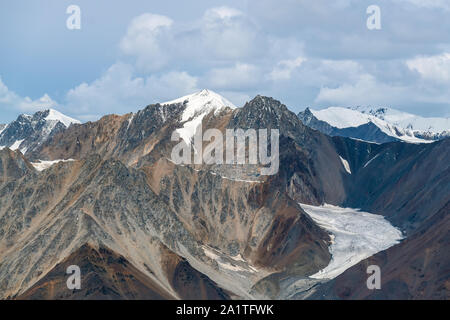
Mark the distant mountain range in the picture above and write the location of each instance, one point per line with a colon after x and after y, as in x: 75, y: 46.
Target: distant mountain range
x: 378, y: 125
x: 106, y: 196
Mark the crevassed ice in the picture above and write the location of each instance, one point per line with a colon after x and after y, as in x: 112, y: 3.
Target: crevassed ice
x: 356, y: 235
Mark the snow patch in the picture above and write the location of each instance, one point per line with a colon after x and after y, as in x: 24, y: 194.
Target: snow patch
x: 130, y: 120
x: 346, y: 165
x: 356, y: 235
x: 3, y: 127
x: 15, y: 146
x: 236, y: 263
x: 42, y: 165
x: 368, y: 162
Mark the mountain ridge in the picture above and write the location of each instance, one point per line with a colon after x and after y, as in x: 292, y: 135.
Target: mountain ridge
x: 376, y: 125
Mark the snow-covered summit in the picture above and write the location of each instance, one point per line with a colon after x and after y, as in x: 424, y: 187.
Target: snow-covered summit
x: 203, y: 101
x: 198, y: 105
x: 56, y: 115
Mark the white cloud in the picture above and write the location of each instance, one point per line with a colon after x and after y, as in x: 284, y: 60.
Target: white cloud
x: 435, y: 68
x: 228, y: 34
x: 143, y: 40
x: 365, y: 91
x: 120, y: 91
x: 10, y: 100
x: 241, y: 76
x: 440, y: 4
x: 284, y: 69
x: 221, y: 34
x: 221, y: 13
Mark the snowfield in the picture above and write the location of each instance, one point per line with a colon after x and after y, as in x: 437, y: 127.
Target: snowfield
x: 356, y: 235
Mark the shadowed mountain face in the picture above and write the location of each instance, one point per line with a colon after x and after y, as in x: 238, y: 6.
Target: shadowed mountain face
x: 366, y: 132
x: 109, y: 276
x: 105, y: 275
x: 379, y: 125
x: 407, y: 183
x: 157, y: 230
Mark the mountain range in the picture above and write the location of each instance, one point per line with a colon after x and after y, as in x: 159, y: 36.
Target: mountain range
x: 106, y: 196
x: 377, y: 125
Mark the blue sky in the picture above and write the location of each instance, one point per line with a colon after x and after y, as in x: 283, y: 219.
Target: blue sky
x: 305, y: 53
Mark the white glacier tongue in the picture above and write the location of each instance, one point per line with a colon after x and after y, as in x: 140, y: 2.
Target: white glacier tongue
x: 56, y: 115
x: 356, y: 235
x: 198, y: 105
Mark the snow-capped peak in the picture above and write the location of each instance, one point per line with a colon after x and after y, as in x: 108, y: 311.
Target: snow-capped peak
x: 56, y: 115
x: 198, y: 105
x: 203, y: 101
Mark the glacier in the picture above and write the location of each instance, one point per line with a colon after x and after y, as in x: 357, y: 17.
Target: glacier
x: 356, y: 235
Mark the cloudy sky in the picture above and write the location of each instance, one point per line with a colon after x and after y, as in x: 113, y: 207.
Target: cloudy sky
x: 129, y: 54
